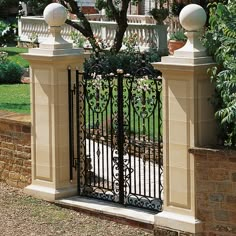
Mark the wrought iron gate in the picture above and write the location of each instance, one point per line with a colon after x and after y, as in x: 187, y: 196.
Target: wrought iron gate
x: 116, y: 136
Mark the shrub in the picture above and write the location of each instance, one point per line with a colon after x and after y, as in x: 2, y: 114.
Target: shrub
x: 36, y: 6
x: 220, y: 40
x: 10, y: 73
x: 128, y: 62
x: 78, y: 39
x: 3, y: 57
x: 7, y: 33
x: 178, y: 36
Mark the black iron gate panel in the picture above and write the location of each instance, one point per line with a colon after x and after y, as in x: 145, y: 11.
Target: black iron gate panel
x: 117, y: 129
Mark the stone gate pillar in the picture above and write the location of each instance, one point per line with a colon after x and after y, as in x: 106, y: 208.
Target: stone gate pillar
x: 49, y: 110
x: 188, y: 121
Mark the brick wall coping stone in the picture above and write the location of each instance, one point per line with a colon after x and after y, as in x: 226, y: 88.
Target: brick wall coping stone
x: 223, y: 152
x: 12, y: 117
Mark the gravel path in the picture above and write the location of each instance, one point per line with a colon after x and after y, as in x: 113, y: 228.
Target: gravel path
x: 22, y: 215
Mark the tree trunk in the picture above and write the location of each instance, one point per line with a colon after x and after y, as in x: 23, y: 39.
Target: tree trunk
x: 121, y: 20
x: 120, y: 31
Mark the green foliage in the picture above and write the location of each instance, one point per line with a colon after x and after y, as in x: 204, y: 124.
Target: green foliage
x: 37, y: 6
x: 176, y: 7
x: 160, y: 11
x: 78, y: 39
x: 101, y: 4
x: 15, y: 97
x: 128, y: 61
x: 3, y: 57
x: 9, y: 3
x: 10, y: 73
x: 131, y: 43
x: 159, y: 14
x: 220, y: 40
x: 178, y: 36
x: 7, y: 33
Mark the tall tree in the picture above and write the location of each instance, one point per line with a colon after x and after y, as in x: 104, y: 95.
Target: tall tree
x: 118, y: 11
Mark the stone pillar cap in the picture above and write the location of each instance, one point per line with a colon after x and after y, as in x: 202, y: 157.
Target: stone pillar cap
x: 55, y: 14
x: 192, y: 17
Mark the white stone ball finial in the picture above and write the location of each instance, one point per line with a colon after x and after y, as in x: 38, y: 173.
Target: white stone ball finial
x: 55, y: 14
x: 192, y: 17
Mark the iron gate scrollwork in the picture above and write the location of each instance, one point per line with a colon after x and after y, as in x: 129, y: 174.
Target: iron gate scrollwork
x: 116, y: 136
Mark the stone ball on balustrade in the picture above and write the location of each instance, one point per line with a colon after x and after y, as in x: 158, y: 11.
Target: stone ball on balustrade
x: 192, y: 17
x: 55, y: 14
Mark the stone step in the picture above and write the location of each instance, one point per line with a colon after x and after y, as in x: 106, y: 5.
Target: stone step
x: 112, y: 211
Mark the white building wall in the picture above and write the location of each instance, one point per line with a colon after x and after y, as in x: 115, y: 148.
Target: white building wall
x: 87, y: 3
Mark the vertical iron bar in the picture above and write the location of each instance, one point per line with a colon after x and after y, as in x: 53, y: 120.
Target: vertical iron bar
x: 87, y: 120
x: 78, y: 128
x: 71, y: 125
x: 86, y: 169
x: 112, y: 135
x: 120, y: 134
x: 144, y: 149
x: 107, y: 145
x: 107, y: 135
x: 134, y: 144
x: 103, y: 157
x: 129, y: 134
x: 159, y: 141
x: 93, y: 140
x: 149, y: 158
x: 98, y: 154
x: 154, y: 153
x: 144, y: 159
x: 139, y: 157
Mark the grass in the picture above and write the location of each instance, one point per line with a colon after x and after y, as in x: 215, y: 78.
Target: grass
x: 15, y: 98
x: 14, y: 55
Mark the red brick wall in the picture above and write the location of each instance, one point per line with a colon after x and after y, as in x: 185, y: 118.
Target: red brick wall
x: 15, y: 149
x: 216, y: 190
x: 89, y: 10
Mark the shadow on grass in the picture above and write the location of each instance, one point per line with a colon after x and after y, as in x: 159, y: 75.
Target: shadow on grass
x: 14, y: 107
x: 13, y: 51
x: 10, y: 53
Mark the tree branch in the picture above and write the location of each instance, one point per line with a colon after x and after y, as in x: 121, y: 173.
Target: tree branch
x: 78, y: 27
x: 84, y: 27
x: 113, y: 9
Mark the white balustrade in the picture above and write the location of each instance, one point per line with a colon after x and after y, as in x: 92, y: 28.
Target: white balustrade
x: 131, y: 18
x: 31, y: 28
x: 173, y: 25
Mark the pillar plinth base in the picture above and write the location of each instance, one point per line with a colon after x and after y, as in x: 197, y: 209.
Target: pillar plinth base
x: 174, y: 222
x: 50, y: 194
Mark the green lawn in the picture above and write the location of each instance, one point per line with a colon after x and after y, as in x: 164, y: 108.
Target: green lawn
x: 15, y: 98
x: 13, y: 55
